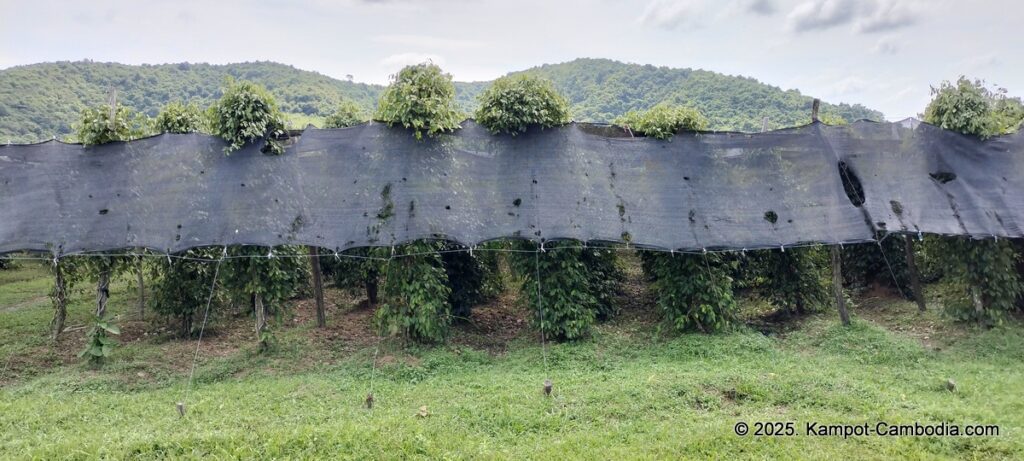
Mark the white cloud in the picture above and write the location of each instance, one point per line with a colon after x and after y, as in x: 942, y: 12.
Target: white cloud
x: 672, y: 14
x: 887, y: 45
x: 887, y: 15
x: 868, y: 15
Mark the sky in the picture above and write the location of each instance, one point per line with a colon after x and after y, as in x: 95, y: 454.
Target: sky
x: 884, y: 54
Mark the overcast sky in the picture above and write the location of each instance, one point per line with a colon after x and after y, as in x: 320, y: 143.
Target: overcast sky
x: 880, y: 53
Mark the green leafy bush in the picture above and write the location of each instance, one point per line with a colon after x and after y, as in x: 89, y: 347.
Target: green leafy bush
x: 276, y: 275
x: 865, y: 264
x: 416, y: 295
x: 96, y: 127
x: 179, y: 118
x: 422, y: 98
x: 971, y: 108
x: 663, y: 121
x: 797, y: 280
x: 983, y: 273
x: 468, y: 277
x: 694, y: 291
x: 181, y: 286
x: 99, y: 345
x: 347, y: 114
x: 571, y: 293
x: 358, y: 269
x: 246, y: 112
x: 983, y: 283
x: 513, y: 103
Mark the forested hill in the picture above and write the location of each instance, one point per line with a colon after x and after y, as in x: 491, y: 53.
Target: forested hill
x: 41, y: 100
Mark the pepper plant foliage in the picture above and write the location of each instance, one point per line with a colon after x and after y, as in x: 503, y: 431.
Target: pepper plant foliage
x: 694, y: 291
x: 663, y: 120
x: 513, y: 103
x: 247, y: 112
x: 181, y: 286
x: 96, y: 126
x: 982, y: 273
x: 275, y: 275
x: 347, y: 114
x: 796, y: 281
x: 566, y: 293
x: 422, y: 98
x: 416, y: 295
x: 971, y: 108
x: 982, y: 268
x: 177, y: 117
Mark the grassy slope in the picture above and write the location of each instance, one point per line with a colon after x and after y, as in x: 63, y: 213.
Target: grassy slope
x: 625, y: 393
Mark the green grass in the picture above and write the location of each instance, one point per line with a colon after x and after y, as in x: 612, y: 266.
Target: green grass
x: 627, y: 392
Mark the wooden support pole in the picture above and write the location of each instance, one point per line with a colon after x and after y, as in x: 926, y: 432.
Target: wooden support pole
x: 814, y: 109
x: 60, y: 301
x: 318, y: 286
x: 915, y: 278
x: 102, y: 292
x: 837, y: 285
x: 142, y: 286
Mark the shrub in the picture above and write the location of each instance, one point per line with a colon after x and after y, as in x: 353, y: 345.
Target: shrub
x: 468, y: 277
x: 797, y: 280
x: 513, y: 103
x: 181, y: 286
x: 694, y: 291
x: 179, y: 118
x: 571, y: 293
x: 99, y: 345
x: 359, y: 269
x: 264, y: 280
x: 870, y: 263
x: 96, y: 126
x: 983, y: 283
x: 416, y: 295
x: 663, y: 121
x: 246, y: 112
x: 983, y: 272
x: 347, y: 114
x: 422, y: 98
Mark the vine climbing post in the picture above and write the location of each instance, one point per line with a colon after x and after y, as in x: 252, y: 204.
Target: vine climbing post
x: 318, y: 286
x: 60, y: 300
x: 102, y: 291
x: 915, y: 279
x: 837, y: 285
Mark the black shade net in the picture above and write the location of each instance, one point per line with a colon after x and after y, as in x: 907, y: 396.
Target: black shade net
x: 372, y: 185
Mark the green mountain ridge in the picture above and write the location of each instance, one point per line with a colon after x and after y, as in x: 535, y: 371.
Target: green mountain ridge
x: 38, y: 101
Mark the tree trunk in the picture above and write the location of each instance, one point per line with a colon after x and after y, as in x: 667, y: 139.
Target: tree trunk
x: 318, y: 286
x: 102, y: 293
x: 915, y: 278
x: 60, y: 302
x: 261, y: 318
x: 371, y: 290
x: 186, y: 325
x: 837, y: 285
x: 142, y: 287
x: 979, y: 306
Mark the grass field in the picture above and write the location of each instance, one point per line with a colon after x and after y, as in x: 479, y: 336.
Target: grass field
x: 627, y: 392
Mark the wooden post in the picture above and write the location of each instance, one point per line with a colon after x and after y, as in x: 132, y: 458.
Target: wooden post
x: 837, y: 285
x: 261, y: 317
x: 318, y: 286
x: 142, y: 286
x: 814, y: 109
x: 764, y: 124
x: 103, y: 292
x: 915, y: 279
x: 60, y: 301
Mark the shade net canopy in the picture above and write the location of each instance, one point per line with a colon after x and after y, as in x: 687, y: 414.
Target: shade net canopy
x: 373, y: 185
